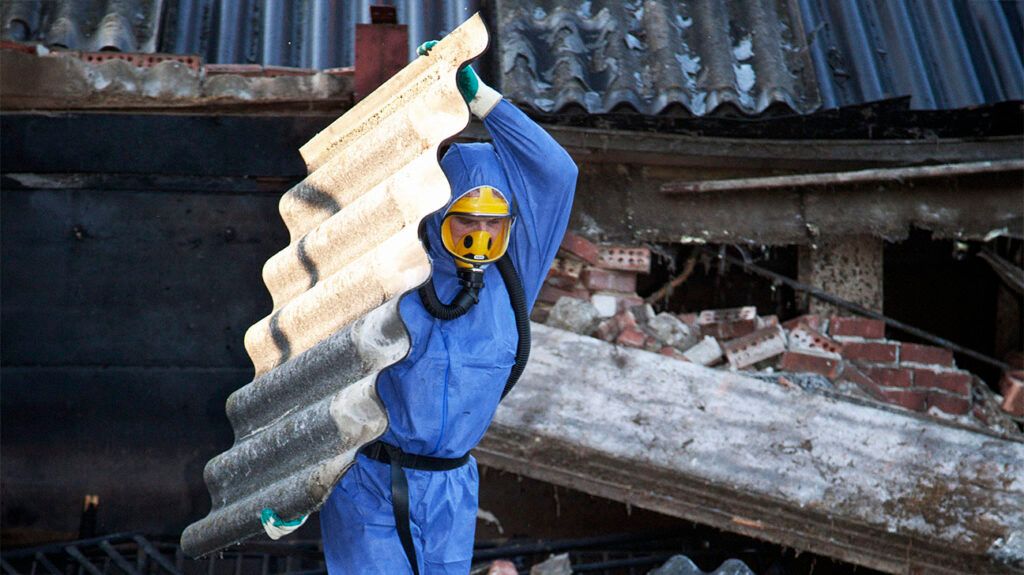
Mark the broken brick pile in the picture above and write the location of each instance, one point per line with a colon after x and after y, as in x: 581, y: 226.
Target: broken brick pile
x: 605, y: 276
x: 591, y: 290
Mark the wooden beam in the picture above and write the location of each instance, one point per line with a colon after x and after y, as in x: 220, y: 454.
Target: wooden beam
x: 862, y: 483
x: 597, y: 145
x: 842, y: 178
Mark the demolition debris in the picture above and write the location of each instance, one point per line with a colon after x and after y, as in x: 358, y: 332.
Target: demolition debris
x: 591, y: 290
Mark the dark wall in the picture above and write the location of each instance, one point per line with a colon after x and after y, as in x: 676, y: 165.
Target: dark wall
x: 951, y: 293
x: 132, y: 247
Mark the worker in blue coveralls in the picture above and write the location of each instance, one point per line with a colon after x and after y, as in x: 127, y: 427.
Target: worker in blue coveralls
x: 409, y: 503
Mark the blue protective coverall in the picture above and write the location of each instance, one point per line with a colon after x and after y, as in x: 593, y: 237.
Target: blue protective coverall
x: 442, y: 396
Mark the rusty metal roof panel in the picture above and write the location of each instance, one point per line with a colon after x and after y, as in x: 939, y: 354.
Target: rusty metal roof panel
x: 601, y: 55
x: 354, y: 250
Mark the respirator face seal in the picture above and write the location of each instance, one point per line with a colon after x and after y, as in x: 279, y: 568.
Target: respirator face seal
x: 477, y: 226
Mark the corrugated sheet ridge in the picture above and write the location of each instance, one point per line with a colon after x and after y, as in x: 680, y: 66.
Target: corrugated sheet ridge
x: 314, y: 402
x: 651, y: 55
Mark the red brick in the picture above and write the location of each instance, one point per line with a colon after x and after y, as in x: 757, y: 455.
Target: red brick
x: 856, y: 327
x: 609, y: 280
x: 757, y: 346
x: 804, y: 337
x: 927, y: 354
x: 560, y: 281
x: 729, y: 329
x: 806, y: 362
x: 551, y: 294
x: 233, y: 69
x: 912, y: 399
x: 890, y: 376
x: 1012, y: 386
x: 580, y: 247
x: 710, y: 316
x: 956, y: 382
x: 689, y: 319
x: 624, y: 258
x: 853, y: 374
x: 728, y: 323
x: 955, y: 404
x: 631, y: 338
x: 873, y: 351
x: 564, y: 273
x: 810, y: 320
x: 672, y: 352
x: 626, y: 320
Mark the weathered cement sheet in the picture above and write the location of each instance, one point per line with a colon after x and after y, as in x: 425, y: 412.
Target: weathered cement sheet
x: 871, y: 486
x: 353, y: 225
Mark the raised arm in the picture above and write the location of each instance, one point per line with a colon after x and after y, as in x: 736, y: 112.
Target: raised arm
x: 543, y: 181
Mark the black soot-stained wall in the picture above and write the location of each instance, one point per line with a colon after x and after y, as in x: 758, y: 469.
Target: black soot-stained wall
x: 132, y: 249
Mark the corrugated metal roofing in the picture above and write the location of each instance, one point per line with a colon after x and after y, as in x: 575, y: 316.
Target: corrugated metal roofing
x: 297, y: 33
x: 945, y: 54
x: 604, y: 54
x: 335, y: 322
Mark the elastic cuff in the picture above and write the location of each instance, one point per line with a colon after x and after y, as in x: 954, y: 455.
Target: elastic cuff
x: 485, y: 101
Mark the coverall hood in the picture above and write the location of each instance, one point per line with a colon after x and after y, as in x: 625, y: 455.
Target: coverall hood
x: 466, y: 166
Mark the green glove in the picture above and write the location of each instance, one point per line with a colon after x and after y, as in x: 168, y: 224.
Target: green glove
x: 467, y: 80
x: 277, y: 527
x: 425, y: 47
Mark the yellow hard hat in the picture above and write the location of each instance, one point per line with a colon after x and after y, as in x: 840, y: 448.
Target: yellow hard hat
x: 482, y: 219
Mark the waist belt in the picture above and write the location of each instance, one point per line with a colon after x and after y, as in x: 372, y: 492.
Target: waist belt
x: 397, y: 459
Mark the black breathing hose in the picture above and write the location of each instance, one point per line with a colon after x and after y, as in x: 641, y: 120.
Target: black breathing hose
x: 466, y: 299
x: 517, y: 295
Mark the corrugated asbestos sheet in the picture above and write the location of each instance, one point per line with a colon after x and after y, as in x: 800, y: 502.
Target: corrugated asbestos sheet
x: 373, y: 176
x: 298, y: 33
x: 601, y: 55
x: 86, y: 25
x: 945, y: 54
